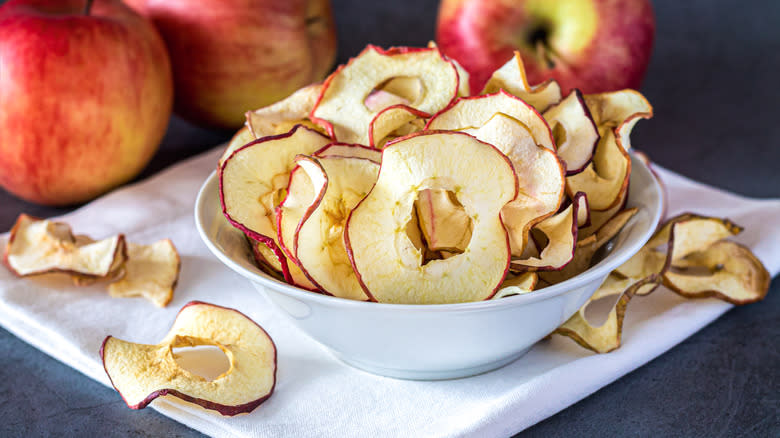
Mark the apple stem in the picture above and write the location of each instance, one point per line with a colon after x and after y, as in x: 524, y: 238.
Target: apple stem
x: 87, y: 7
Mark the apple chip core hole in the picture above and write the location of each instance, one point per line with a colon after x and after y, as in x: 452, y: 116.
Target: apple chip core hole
x: 597, y: 312
x: 207, y: 361
x: 407, y: 90
x: 439, y: 227
x: 559, y: 134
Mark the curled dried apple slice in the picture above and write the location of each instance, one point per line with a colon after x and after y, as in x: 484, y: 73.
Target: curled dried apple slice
x: 350, y: 151
x: 574, y: 130
x: 588, y: 246
x: 606, y: 337
x: 390, y: 119
x: 606, y: 178
x: 511, y: 78
x: 37, y: 246
x: 464, y: 87
x: 253, y: 181
x: 518, y: 131
x: 301, y: 194
x: 387, y: 263
x: 319, y: 239
x: 619, y: 111
x: 517, y: 285
x: 561, y: 235
x: 141, y: 373
x: 341, y: 109
x: 151, y: 271
x: 279, y: 117
x: 725, y: 270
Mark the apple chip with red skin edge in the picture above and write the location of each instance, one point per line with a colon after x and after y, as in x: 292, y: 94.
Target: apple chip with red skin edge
x: 519, y: 132
x: 341, y: 109
x: 319, y: 238
x: 561, y: 232
x: 350, y: 151
x: 301, y: 194
x: 391, y: 119
x: 141, y: 373
x: 388, y: 265
x: 574, y: 130
x: 275, y: 119
x: 37, y: 246
x: 151, y: 271
x: 252, y: 182
x: 619, y: 111
x: 464, y: 80
x: 511, y: 77
x: 587, y: 247
x: 606, y: 178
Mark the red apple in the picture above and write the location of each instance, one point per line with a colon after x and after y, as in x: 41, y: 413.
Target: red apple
x: 592, y: 45
x: 86, y: 96
x: 233, y: 56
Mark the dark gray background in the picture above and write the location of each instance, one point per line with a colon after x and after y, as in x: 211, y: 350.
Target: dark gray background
x: 713, y: 83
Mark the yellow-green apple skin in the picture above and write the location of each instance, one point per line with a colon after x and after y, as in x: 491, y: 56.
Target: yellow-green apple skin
x: 233, y: 56
x: 85, y: 98
x: 592, y: 45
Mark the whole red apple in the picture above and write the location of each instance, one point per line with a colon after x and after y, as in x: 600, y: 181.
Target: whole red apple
x: 232, y: 56
x: 593, y: 45
x: 86, y: 94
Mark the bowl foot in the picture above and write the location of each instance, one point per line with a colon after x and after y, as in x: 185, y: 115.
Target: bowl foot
x: 411, y: 374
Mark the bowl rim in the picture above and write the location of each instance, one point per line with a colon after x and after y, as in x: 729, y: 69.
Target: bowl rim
x: 609, y: 263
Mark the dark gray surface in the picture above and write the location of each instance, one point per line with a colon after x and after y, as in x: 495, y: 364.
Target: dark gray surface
x: 713, y: 84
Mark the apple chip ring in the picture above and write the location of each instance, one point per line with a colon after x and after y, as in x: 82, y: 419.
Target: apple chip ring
x: 390, y: 267
x: 341, y: 109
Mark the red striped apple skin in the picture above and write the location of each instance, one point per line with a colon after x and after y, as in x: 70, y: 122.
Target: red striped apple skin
x: 84, y: 99
x: 592, y: 45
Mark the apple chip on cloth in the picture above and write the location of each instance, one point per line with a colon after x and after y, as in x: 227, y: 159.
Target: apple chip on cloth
x: 689, y: 255
x: 313, y: 387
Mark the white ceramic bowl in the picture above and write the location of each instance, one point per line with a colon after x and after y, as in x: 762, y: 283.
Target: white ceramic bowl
x: 431, y: 341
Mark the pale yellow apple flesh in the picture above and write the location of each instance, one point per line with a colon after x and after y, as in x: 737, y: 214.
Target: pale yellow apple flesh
x: 575, y: 132
x: 511, y: 78
x: 151, y: 271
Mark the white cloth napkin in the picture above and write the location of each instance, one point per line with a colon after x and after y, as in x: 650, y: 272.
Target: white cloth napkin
x: 316, y: 395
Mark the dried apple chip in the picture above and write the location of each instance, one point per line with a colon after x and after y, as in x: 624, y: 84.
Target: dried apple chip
x: 588, y: 246
x: 319, y: 239
x: 38, y: 246
x: 239, y: 139
x: 141, y: 373
x: 151, y: 271
x: 388, y: 265
x: 511, y: 78
x: 392, y: 119
x: 725, y: 270
x: 574, y: 130
x: 279, y: 117
x: 341, y: 109
x: 619, y: 111
x: 519, y: 132
x: 606, y: 178
x: 517, y: 285
x: 561, y: 233
x: 253, y: 181
x: 606, y: 337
